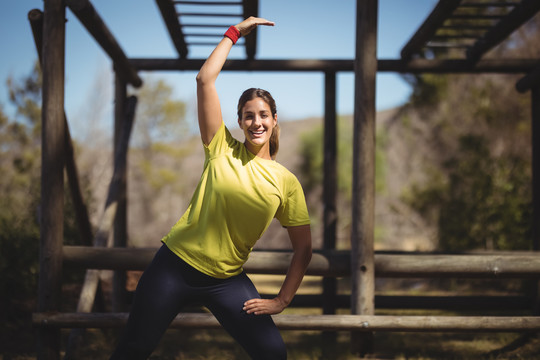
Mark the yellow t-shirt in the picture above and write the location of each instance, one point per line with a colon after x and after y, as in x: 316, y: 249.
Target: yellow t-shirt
x: 237, y: 197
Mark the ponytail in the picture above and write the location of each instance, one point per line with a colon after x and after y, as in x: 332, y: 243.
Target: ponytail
x: 274, y: 141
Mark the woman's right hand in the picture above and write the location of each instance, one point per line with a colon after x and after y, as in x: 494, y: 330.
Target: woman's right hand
x: 246, y: 26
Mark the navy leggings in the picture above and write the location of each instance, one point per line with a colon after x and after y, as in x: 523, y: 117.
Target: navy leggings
x: 169, y: 284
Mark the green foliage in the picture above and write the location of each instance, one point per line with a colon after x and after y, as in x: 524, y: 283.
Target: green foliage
x: 159, y: 126
x: 311, y: 171
x: 484, y: 202
x: 25, y: 94
x: 428, y: 89
x: 160, y: 129
x: 312, y: 158
x: 20, y: 165
x: 312, y: 153
x: 478, y: 192
x: 20, y: 191
x: 159, y: 117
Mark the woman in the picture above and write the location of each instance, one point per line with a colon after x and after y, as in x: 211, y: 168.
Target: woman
x: 241, y: 190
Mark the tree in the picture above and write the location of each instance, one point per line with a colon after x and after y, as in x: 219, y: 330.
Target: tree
x: 484, y: 201
x: 19, y: 201
x: 160, y: 128
x: 311, y: 168
x: 160, y: 118
x: 20, y: 166
x: 477, y: 190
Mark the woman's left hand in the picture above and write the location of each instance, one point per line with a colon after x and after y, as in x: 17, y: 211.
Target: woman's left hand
x: 264, y: 306
x: 246, y: 26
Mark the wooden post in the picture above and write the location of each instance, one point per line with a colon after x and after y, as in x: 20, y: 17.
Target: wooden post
x: 120, y: 220
x: 251, y: 8
x: 91, y: 283
x: 81, y: 212
x: 329, y: 299
x: 535, y: 105
x: 52, y: 173
x: 330, y: 185
x: 363, y: 197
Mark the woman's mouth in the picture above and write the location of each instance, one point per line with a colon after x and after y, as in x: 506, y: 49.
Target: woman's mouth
x: 257, y: 133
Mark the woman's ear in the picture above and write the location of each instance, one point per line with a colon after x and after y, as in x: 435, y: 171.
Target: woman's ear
x: 240, y: 123
x: 275, y: 119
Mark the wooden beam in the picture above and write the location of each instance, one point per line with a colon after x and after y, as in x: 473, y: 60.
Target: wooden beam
x: 440, y: 13
x: 52, y: 172
x: 521, y: 13
x: 535, y: 140
x: 88, y: 16
x: 333, y: 263
x: 330, y: 185
x: 364, y: 323
x: 124, y: 112
x: 251, y: 8
x: 81, y: 213
x: 415, y: 66
x: 363, y: 174
x: 172, y: 21
x: 92, y: 276
x: 209, y: 3
x: 529, y: 81
x: 35, y: 17
x: 489, y: 4
x: 450, y: 302
x: 535, y: 183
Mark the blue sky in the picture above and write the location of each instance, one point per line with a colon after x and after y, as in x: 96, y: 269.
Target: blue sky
x: 310, y: 29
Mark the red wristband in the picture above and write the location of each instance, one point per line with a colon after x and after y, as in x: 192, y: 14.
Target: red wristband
x: 233, y: 33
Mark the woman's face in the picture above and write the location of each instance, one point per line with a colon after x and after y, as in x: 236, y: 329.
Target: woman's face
x: 257, y: 123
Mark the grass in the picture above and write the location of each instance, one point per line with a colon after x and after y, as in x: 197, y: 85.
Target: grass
x: 196, y: 344
x: 216, y: 344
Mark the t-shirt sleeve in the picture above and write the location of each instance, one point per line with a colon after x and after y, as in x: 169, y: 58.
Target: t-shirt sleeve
x: 220, y: 143
x: 293, y: 209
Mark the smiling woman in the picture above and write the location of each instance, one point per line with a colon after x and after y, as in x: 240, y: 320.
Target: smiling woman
x: 257, y: 117
x: 240, y: 191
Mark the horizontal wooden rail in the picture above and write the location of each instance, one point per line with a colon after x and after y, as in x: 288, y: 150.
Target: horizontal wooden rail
x: 334, y: 263
x: 313, y: 322
x: 455, y: 303
x: 414, y: 66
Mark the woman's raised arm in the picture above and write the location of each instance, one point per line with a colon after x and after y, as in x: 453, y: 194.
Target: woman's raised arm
x: 300, y: 237
x: 208, y: 106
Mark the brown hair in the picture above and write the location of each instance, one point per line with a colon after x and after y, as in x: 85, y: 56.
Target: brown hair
x: 253, y: 93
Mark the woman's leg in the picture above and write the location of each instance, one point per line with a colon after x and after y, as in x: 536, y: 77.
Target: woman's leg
x: 159, y: 296
x: 257, y: 334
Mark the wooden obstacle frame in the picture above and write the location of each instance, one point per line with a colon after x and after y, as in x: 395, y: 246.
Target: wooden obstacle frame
x: 362, y: 263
